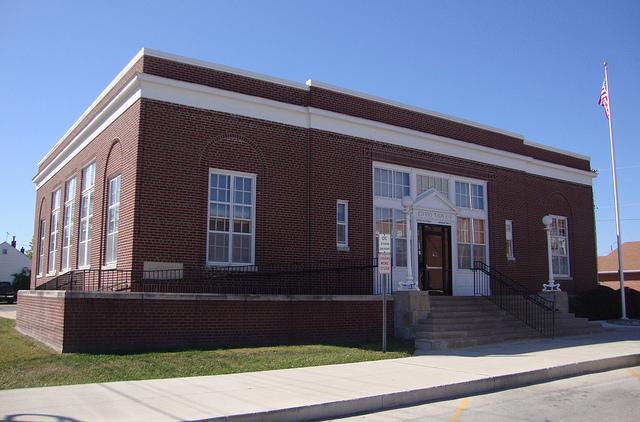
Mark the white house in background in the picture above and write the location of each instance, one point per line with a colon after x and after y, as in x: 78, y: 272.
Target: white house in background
x: 11, y: 261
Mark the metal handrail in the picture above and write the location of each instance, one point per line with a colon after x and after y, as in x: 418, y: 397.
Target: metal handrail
x: 351, y: 276
x: 534, y: 310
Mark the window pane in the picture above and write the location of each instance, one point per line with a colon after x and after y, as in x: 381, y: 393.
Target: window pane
x: 464, y: 230
x: 432, y: 182
x: 341, y: 233
x: 242, y: 190
x: 401, y: 253
x: 383, y: 220
x: 241, y: 248
x: 479, y: 253
x: 400, y: 184
x: 341, y: 216
x: 218, y: 247
x: 464, y: 256
x: 462, y: 195
x: 478, y: 231
x: 399, y: 223
x: 477, y: 197
x: 220, y: 188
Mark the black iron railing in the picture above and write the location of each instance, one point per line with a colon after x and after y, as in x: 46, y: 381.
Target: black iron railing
x: 354, y: 276
x: 529, y: 307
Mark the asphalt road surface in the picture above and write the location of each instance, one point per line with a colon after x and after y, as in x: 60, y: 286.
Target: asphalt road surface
x: 608, y: 396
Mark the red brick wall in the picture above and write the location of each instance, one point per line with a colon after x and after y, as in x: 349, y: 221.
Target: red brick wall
x: 115, y: 151
x: 41, y: 315
x: 105, y: 323
x: 300, y: 175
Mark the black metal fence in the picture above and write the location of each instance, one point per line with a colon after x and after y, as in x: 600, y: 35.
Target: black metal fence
x: 354, y: 276
x: 511, y: 296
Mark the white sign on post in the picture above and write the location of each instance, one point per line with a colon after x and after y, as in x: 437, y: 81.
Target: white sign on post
x: 384, y: 263
x: 384, y: 243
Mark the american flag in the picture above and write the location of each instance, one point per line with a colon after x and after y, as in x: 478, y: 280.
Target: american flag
x: 604, y: 99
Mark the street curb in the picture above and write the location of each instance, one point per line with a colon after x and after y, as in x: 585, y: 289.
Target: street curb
x: 441, y: 392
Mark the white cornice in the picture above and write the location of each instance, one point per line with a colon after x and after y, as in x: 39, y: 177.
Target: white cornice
x: 194, y: 95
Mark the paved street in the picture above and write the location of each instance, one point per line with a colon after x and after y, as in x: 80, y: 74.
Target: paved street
x: 7, y: 311
x: 613, y: 396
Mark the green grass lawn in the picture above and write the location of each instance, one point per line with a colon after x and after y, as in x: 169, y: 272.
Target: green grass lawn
x: 26, y: 363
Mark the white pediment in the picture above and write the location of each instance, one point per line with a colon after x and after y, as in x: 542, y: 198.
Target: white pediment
x: 432, y: 199
x: 433, y: 207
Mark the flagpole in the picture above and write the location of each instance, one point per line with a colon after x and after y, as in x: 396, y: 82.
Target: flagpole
x: 615, y: 196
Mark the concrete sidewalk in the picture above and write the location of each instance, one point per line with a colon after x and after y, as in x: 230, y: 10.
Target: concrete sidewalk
x: 328, y: 391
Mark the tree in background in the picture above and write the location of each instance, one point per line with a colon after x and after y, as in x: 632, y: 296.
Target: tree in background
x: 22, y: 280
x: 29, y: 252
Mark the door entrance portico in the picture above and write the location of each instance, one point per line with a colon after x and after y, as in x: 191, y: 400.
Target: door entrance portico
x: 431, y: 219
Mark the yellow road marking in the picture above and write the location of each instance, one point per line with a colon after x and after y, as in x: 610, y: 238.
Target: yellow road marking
x: 463, y: 405
x: 634, y: 372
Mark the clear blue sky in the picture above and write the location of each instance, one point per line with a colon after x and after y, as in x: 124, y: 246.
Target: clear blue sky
x: 533, y: 68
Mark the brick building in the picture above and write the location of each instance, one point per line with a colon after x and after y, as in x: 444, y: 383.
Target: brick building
x: 182, y: 163
x: 608, y: 271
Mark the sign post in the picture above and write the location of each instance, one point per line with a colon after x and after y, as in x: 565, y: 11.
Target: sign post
x: 384, y: 270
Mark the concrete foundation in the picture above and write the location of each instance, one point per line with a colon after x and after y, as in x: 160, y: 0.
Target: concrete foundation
x: 408, y: 308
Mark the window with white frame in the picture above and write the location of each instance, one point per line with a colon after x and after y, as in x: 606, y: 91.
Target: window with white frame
x: 471, y: 242
x: 432, y: 182
x: 508, y: 226
x: 469, y: 195
x: 53, y: 236
x: 231, y: 238
x: 560, y: 246
x: 390, y: 183
x: 392, y: 221
x: 67, y: 227
x: 342, y: 224
x: 41, y: 235
x: 113, y: 221
x: 86, y: 215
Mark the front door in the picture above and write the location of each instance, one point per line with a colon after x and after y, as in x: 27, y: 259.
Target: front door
x: 434, y: 258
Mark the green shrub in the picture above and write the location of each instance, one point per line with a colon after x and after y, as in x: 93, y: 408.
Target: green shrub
x: 604, y: 303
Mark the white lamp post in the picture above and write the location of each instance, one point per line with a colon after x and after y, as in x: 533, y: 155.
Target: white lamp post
x: 407, y: 204
x: 550, y: 285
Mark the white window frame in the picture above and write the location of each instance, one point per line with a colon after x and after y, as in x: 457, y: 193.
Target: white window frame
x: 84, y: 244
x: 392, y: 189
x: 473, y: 241
x: 342, y: 245
x: 508, y: 234
x: 53, y: 226
x: 231, y: 203
x: 41, y: 246
x: 113, y: 210
x: 395, y: 238
x: 470, y: 195
x: 568, y: 255
x: 67, y: 222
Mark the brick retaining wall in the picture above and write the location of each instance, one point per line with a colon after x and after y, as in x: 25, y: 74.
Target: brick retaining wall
x: 109, y: 322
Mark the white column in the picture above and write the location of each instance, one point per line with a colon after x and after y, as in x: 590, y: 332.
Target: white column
x: 407, y: 204
x: 550, y: 285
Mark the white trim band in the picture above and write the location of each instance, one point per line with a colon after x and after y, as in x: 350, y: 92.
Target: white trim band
x: 199, y: 96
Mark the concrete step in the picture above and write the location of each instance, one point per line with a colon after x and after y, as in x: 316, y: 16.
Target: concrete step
x: 503, y: 332
x: 469, y: 325
x: 467, y: 313
x: 441, y: 344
